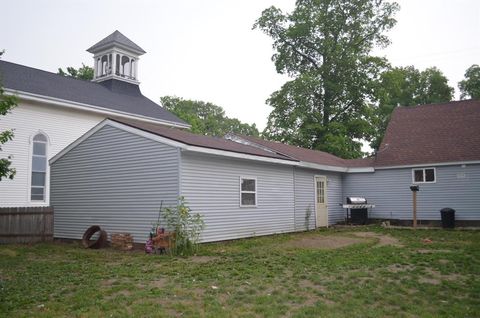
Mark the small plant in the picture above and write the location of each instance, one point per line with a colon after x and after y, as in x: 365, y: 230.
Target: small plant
x: 308, y: 213
x: 187, y: 227
x: 156, y: 225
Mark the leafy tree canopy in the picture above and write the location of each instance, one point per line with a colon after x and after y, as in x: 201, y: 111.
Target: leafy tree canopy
x: 85, y: 72
x: 325, y: 46
x: 470, y: 86
x: 7, y: 102
x: 206, y: 118
x: 407, y: 86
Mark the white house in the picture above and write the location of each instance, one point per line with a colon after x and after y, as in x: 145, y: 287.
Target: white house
x: 54, y: 111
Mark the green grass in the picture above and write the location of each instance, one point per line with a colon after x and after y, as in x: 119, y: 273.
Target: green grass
x: 259, y: 277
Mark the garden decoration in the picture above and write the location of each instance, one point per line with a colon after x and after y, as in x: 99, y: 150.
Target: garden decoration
x: 89, y: 233
x: 149, y: 246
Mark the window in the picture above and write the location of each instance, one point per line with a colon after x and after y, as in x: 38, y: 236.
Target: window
x: 248, y: 191
x: 320, y: 191
x: 39, y: 168
x: 425, y: 175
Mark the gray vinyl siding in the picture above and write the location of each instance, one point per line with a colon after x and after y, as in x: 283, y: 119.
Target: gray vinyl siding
x: 305, y: 197
x: 335, y: 190
x: 211, y: 186
x: 114, y: 179
x: 455, y: 187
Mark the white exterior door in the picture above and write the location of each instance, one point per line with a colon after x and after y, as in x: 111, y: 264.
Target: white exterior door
x: 321, y: 209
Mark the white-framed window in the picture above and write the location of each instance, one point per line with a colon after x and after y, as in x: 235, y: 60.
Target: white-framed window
x: 424, y: 175
x: 248, y: 191
x: 39, y: 168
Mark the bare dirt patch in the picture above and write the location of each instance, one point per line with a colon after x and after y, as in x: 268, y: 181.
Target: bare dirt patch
x: 449, y: 277
x: 159, y: 283
x: 307, y: 284
x: 432, y: 281
x: 324, y: 242
x: 203, y: 259
x: 108, y: 282
x: 383, y: 240
x: 124, y: 293
x: 397, y: 268
x: 427, y: 251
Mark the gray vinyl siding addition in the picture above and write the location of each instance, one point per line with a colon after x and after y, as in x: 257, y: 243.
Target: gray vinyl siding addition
x: 305, y: 197
x: 456, y: 187
x: 211, y: 186
x: 114, y: 179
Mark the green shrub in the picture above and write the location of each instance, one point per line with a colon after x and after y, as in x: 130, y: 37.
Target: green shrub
x: 308, y: 213
x: 187, y: 226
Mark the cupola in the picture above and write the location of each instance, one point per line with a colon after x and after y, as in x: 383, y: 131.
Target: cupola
x: 116, y: 57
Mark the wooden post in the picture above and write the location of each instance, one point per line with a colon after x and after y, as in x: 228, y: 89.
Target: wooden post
x: 414, y: 209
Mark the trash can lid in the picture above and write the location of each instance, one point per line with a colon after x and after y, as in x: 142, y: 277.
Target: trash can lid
x: 447, y: 210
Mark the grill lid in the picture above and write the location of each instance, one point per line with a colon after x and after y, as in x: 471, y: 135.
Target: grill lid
x: 356, y: 200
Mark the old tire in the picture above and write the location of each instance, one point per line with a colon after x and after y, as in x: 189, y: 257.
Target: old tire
x: 101, y: 240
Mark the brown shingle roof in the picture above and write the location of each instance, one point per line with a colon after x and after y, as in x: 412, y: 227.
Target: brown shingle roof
x: 360, y: 163
x: 200, y: 140
x: 302, y: 154
x: 447, y: 132
x: 427, y: 134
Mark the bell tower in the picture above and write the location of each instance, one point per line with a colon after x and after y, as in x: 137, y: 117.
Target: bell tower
x: 116, y: 58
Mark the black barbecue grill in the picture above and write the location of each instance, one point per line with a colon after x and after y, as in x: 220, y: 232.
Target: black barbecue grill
x: 357, y: 210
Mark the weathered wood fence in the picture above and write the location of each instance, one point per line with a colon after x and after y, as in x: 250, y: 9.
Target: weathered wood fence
x: 26, y: 224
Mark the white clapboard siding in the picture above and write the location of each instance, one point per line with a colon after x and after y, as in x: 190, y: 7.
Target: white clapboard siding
x: 62, y: 127
x: 114, y: 179
x: 211, y: 186
x: 456, y: 187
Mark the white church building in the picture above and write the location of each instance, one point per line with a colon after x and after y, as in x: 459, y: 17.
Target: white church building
x: 54, y: 110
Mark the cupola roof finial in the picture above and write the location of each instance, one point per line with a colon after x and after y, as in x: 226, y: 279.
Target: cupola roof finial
x: 116, y: 39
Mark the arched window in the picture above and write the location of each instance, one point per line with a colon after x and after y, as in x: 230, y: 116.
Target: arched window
x: 125, y: 66
x: 39, y: 167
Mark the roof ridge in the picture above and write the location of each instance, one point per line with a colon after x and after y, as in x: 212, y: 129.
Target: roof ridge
x: 52, y: 73
x: 435, y: 104
x: 200, y: 142
x: 130, y: 101
x: 289, y: 145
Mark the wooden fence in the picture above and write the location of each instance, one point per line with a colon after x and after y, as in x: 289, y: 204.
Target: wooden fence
x: 26, y: 224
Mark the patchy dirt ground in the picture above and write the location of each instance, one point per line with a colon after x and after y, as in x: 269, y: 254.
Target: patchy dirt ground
x: 325, y: 242
x: 383, y: 239
x: 203, y: 259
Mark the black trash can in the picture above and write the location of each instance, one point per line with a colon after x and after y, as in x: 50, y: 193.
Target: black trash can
x: 448, y: 218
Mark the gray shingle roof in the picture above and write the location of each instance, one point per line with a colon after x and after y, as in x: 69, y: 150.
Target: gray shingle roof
x: 113, y: 95
x: 116, y: 38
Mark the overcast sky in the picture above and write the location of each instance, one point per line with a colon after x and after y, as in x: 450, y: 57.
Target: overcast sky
x: 207, y: 50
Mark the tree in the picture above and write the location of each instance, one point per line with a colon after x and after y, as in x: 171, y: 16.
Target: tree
x: 325, y: 46
x: 434, y: 87
x: 206, y: 118
x: 85, y: 72
x: 470, y: 86
x: 407, y: 86
x: 7, y: 102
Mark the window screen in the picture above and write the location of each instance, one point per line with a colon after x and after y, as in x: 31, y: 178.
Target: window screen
x: 248, y: 192
x: 39, y: 168
x: 423, y: 175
